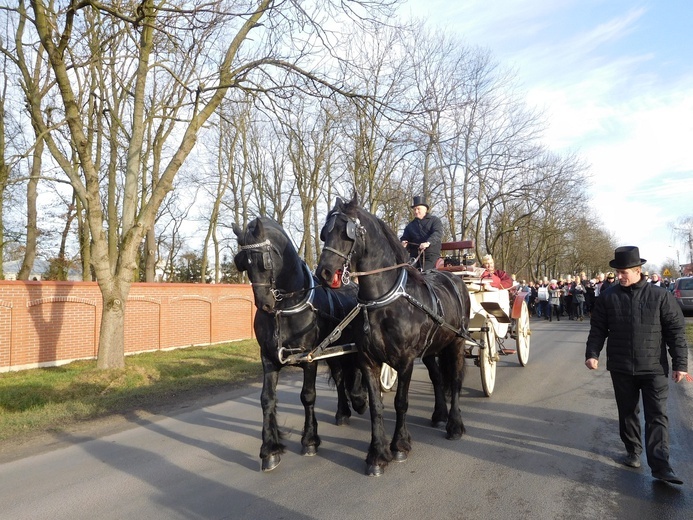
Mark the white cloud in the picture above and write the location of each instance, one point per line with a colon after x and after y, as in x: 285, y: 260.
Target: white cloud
x: 615, y: 83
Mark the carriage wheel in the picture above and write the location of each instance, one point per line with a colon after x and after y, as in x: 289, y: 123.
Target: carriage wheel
x: 522, y: 335
x: 388, y: 378
x: 488, y: 358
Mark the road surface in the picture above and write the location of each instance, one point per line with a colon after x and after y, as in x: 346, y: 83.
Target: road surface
x: 544, y: 446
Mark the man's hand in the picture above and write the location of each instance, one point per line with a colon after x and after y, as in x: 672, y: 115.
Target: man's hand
x: 424, y: 245
x: 404, y: 243
x: 679, y: 376
x: 592, y: 363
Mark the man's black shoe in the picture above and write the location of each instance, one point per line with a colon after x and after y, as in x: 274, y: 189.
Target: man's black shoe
x: 632, y: 460
x: 667, y: 475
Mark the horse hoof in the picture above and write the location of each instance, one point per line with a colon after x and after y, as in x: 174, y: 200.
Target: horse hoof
x: 270, y: 462
x: 309, y: 451
x: 375, y: 470
x: 399, y: 456
x: 439, y: 424
x: 342, y: 421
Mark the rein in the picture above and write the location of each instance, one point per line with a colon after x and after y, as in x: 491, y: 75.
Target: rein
x: 381, y: 270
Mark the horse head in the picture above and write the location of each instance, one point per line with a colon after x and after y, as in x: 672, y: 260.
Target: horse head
x: 273, y: 266
x: 344, y: 238
x: 355, y: 238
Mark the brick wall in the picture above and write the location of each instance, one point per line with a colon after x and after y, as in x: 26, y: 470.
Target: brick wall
x: 52, y: 323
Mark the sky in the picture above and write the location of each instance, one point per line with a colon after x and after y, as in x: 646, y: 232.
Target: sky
x: 615, y: 81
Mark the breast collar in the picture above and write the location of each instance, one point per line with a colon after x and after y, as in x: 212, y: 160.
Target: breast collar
x: 307, y: 302
x: 394, y: 293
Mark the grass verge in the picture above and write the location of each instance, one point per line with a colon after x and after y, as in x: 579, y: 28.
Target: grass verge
x: 46, y: 399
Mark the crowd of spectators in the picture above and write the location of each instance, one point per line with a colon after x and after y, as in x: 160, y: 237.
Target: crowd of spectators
x: 571, y: 297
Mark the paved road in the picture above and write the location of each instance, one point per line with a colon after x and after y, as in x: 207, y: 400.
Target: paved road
x: 544, y: 446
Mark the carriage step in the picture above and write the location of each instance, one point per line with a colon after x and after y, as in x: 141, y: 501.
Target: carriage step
x: 508, y: 351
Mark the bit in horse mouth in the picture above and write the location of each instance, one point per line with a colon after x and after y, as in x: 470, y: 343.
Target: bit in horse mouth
x: 336, y: 280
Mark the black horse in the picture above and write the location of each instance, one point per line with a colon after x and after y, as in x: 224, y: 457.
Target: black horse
x: 405, y: 314
x: 294, y: 315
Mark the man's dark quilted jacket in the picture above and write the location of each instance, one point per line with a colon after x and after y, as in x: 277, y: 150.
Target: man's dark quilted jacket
x: 637, y: 322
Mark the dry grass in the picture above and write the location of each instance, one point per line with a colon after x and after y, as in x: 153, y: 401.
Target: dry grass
x: 46, y: 399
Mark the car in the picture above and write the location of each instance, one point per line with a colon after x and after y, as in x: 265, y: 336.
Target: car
x: 683, y: 292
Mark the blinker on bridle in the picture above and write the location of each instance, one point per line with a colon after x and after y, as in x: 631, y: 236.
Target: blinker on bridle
x: 353, y: 230
x: 267, y: 265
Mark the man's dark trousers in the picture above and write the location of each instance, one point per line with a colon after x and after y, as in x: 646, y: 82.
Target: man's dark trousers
x: 654, y: 389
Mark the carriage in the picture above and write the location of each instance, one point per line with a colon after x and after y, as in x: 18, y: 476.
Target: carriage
x: 495, y: 314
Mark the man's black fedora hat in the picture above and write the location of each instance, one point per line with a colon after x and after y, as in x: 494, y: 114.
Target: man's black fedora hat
x: 419, y: 201
x: 625, y: 257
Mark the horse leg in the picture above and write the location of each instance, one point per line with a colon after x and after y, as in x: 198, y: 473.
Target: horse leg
x: 272, y: 447
x: 310, y: 439
x: 440, y: 408
x: 354, y: 383
x: 401, y: 440
x: 455, y: 427
x: 379, y: 454
x: 343, y: 410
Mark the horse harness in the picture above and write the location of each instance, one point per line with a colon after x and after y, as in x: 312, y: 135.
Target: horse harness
x: 289, y: 355
x: 355, y: 230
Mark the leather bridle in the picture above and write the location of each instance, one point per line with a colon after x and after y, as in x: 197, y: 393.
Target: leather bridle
x: 354, y: 230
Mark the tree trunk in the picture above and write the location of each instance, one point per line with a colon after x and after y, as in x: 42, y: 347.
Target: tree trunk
x: 150, y: 256
x: 31, y: 215
x: 112, y: 331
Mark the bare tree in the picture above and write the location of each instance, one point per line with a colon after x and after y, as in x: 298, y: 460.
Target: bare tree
x: 4, y: 164
x: 171, y: 42
x: 684, y: 232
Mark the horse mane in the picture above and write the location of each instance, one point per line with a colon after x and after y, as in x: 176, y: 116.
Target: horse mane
x: 353, y: 210
x: 272, y: 229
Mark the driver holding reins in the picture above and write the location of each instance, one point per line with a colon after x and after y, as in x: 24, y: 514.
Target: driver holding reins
x: 423, y: 235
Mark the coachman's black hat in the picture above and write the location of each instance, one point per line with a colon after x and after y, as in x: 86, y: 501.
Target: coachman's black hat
x: 419, y: 201
x: 625, y: 257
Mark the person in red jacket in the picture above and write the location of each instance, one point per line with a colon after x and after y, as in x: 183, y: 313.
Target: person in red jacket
x: 640, y: 321
x: 499, y: 279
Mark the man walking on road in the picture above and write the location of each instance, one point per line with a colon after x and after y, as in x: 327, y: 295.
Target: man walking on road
x: 640, y: 321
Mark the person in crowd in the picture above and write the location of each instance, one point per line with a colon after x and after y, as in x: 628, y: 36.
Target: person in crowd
x: 423, y: 236
x: 578, y: 292
x: 534, y: 299
x: 656, y: 280
x: 608, y: 282
x: 555, y: 300
x: 568, y: 298
x: 598, y: 284
x: 499, y: 278
x: 513, y: 277
x: 590, y: 295
x: 543, y: 306
x: 641, y: 321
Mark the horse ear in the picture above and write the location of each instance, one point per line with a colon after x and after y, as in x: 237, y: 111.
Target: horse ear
x: 237, y: 230
x: 259, y: 230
